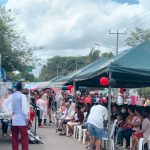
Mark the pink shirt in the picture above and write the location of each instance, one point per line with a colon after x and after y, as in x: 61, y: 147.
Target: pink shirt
x: 137, y: 122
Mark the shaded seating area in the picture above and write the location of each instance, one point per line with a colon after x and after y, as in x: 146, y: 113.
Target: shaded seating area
x: 130, y: 69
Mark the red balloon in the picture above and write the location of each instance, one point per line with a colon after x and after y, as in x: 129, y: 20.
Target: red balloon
x: 70, y: 87
x: 121, y: 90
x: 104, y: 81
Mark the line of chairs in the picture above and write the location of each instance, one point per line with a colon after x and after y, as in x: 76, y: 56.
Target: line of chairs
x: 141, y: 143
x: 80, y: 134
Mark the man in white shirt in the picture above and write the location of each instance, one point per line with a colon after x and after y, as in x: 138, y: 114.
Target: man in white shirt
x: 96, y: 119
x: 19, y: 119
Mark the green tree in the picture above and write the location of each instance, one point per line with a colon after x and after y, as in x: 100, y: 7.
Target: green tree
x: 144, y: 92
x: 64, y: 65
x: 94, y: 55
x: 15, y: 52
x: 22, y: 75
x: 138, y: 36
x: 107, y: 55
x: 61, y: 66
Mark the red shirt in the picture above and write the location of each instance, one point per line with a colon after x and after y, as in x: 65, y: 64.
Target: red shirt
x: 31, y: 115
x: 88, y: 100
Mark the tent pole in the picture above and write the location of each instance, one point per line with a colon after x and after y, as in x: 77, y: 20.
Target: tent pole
x: 74, y: 85
x: 109, y: 114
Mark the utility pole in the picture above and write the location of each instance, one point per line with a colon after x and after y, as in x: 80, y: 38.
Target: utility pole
x: 57, y: 70
x: 76, y: 65
x: 117, y: 44
x: 0, y: 69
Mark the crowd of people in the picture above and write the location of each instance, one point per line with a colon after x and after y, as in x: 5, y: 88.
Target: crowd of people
x: 90, y: 110
x: 132, y: 121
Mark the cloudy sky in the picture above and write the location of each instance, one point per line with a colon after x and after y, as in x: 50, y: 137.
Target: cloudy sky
x: 72, y: 27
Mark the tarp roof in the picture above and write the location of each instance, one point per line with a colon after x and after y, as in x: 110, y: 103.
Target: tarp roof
x: 56, y: 78
x: 85, y: 70
x: 130, y: 69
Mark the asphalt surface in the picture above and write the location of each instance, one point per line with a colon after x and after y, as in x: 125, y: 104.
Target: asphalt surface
x: 51, y: 141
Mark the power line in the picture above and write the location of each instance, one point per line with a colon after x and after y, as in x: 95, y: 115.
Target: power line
x: 0, y: 69
x: 129, y: 21
x: 132, y: 19
x: 128, y: 25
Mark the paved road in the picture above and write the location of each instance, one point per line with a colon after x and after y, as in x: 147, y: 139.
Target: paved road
x: 51, y: 142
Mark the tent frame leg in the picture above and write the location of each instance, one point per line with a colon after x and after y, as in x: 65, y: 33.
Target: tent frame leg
x: 75, y: 89
x: 109, y: 112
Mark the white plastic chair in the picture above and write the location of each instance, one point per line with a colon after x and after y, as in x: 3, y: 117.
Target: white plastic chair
x: 80, y: 133
x: 78, y: 129
x: 111, y: 136
x: 53, y: 118
x: 116, y: 139
x: 67, y: 130
x: 84, y: 135
x: 142, y: 142
x: 125, y: 143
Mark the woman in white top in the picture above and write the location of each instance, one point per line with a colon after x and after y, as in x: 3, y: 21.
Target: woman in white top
x: 144, y: 132
x: 40, y: 110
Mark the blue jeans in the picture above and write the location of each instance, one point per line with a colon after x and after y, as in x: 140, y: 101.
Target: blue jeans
x: 95, y: 132
x: 120, y: 134
x: 4, y: 126
x: 127, y: 134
